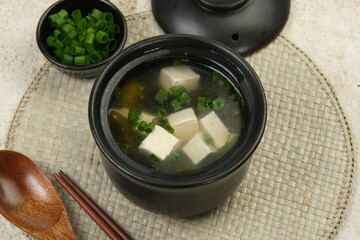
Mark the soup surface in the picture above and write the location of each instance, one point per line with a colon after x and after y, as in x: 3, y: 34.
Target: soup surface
x: 176, y: 115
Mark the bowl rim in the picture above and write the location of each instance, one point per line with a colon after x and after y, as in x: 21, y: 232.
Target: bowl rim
x: 52, y: 59
x: 218, y: 171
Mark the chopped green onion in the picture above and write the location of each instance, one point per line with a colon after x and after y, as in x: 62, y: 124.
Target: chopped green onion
x: 96, y: 13
x: 79, y: 36
x: 67, y: 50
x: 58, y: 53
x: 50, y: 40
x: 81, y: 60
x: 57, y: 33
x: 58, y: 44
x: 95, y: 56
x: 67, y: 59
x: 101, y: 37
x: 111, y: 36
x: 218, y: 103
x: 184, y: 97
x: 208, y: 139
x: 178, y: 90
x: 169, y: 128
x: 174, y: 155
x: 105, y: 54
x: 67, y: 28
x: 112, y: 45
x: 176, y: 105
x: 113, y: 28
x: 69, y: 21
x: 201, y: 103
x: 89, y: 40
x: 63, y: 14
x: 90, y: 30
x: 150, y: 127
x: 108, y: 17
x: 179, y: 61
x: 77, y: 43
x: 142, y: 126
x: 162, y: 112
x: 155, y: 161
x: 146, y: 127
x: 76, y: 50
x: 100, y: 25
x: 71, y: 35
x: 56, y: 21
x: 161, y: 121
x: 133, y: 116
x: 161, y: 95
x: 77, y: 16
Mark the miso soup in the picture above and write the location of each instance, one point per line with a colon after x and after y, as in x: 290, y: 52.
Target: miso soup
x: 176, y: 115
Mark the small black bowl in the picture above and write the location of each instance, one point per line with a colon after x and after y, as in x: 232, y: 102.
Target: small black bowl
x: 86, y: 6
x: 189, y: 193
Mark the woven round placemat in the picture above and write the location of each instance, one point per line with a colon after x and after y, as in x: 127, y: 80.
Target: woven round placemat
x: 296, y: 188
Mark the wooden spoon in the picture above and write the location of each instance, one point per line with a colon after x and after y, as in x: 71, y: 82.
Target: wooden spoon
x: 29, y: 200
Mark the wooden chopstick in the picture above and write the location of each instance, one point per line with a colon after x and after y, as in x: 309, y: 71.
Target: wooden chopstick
x: 91, y: 208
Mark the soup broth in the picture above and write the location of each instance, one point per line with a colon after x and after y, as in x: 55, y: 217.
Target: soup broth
x: 176, y: 115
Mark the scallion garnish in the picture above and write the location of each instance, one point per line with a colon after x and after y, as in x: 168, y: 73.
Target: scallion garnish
x: 169, y: 128
x: 174, y: 155
x: 75, y: 35
x: 208, y: 139
x: 146, y: 127
x: 133, y: 116
x: 161, y: 95
x: 178, y: 90
x: 162, y: 112
x: 142, y: 126
x: 155, y: 161
x: 179, y: 61
x: 201, y: 103
x: 176, y: 105
x: 218, y: 103
x: 184, y: 97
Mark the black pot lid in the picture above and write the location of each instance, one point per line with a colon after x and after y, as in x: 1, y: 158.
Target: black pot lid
x: 244, y: 25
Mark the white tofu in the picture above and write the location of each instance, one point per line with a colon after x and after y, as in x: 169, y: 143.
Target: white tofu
x: 159, y: 142
x: 179, y: 75
x: 144, y: 116
x: 147, y: 117
x: 196, y: 149
x: 185, y: 123
x: 123, y: 111
x: 212, y: 125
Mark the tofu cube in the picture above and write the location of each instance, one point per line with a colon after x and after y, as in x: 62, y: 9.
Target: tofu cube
x: 196, y: 149
x: 185, y: 123
x: 144, y: 116
x: 212, y: 125
x: 159, y: 142
x: 179, y: 75
x: 123, y: 111
x: 147, y: 117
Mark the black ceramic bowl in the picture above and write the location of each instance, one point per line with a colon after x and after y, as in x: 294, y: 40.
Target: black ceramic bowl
x: 182, y: 194
x: 86, y: 6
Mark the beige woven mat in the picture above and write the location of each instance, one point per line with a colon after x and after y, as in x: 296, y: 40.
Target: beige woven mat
x: 296, y: 188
